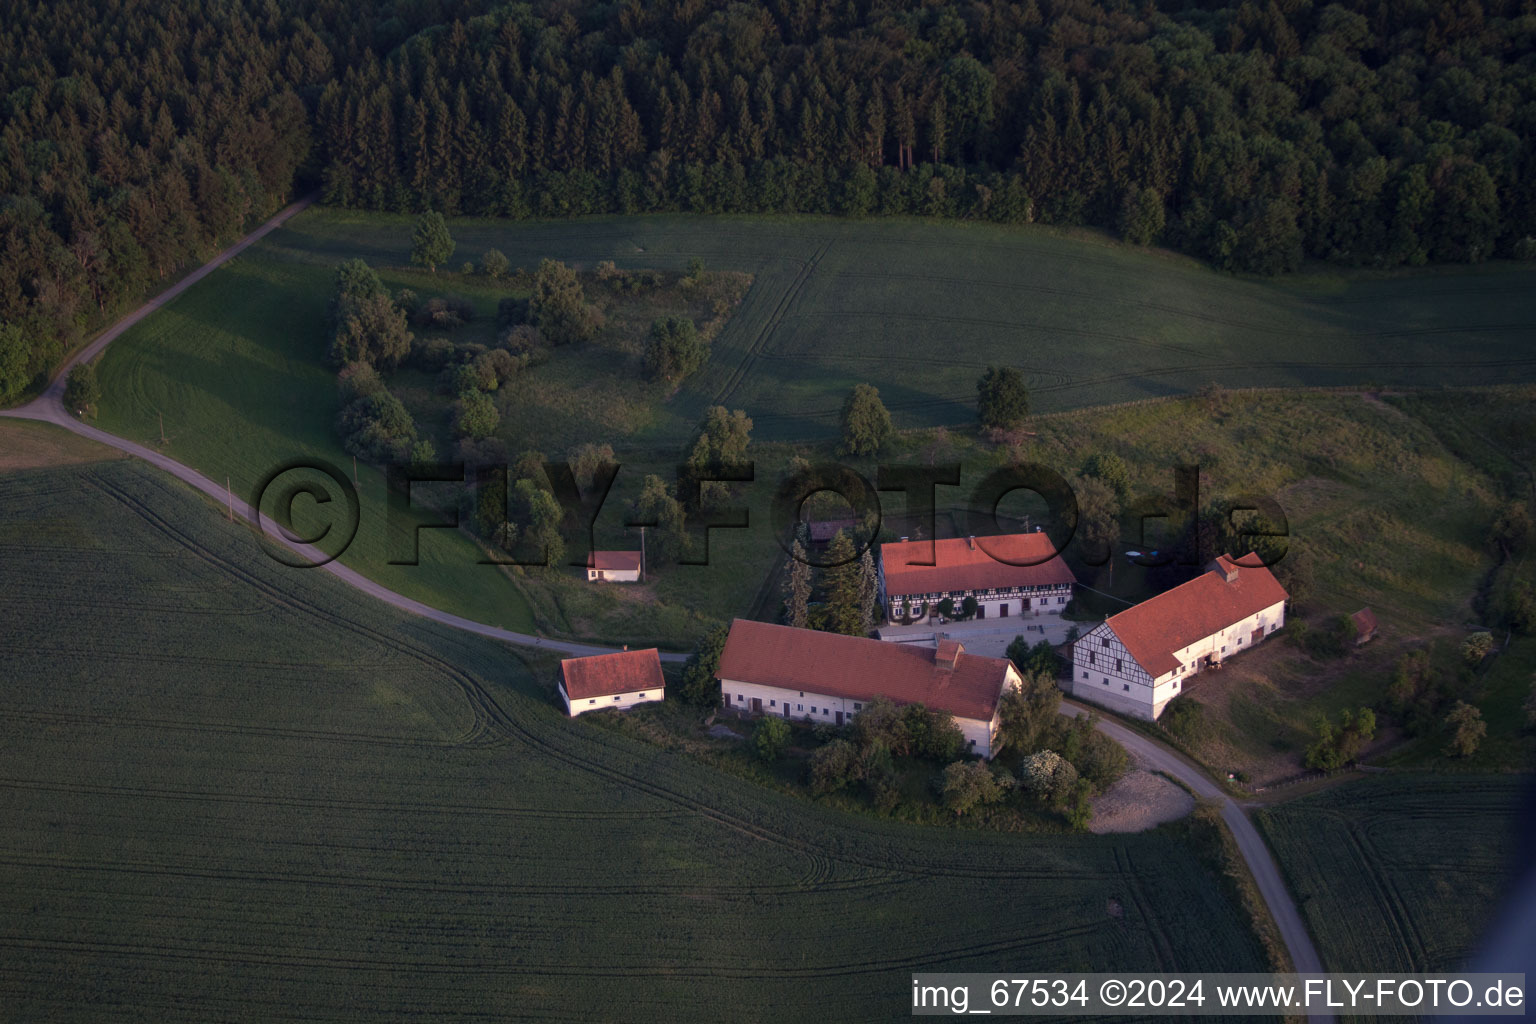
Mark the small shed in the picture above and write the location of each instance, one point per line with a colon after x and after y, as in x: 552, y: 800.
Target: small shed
x: 615, y: 566
x: 617, y: 681
x: 1365, y: 625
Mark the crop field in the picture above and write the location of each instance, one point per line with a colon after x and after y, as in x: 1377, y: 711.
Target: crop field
x: 1401, y: 873
x: 234, y: 790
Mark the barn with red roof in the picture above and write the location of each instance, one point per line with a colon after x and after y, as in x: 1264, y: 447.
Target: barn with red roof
x: 1137, y: 661
x: 615, y: 681
x: 1012, y: 575
x: 808, y: 675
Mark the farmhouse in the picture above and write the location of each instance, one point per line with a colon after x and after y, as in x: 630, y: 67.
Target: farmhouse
x: 1137, y: 661
x: 1017, y: 574
x: 615, y: 566
x: 619, y: 680
x: 826, y: 677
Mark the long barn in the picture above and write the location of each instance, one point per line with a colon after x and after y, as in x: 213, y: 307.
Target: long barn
x: 1137, y: 661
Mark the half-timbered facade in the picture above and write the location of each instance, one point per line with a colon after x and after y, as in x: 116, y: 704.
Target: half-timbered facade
x: 1137, y: 661
x: 1017, y: 575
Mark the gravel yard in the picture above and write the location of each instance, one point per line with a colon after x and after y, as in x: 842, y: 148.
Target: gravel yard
x: 1139, y: 801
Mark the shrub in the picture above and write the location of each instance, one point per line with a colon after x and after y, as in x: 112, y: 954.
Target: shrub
x: 1337, y: 746
x: 475, y: 415
x: 865, y: 421
x: 496, y: 367
x: 511, y: 311
x: 1002, y: 401
x: 1048, y: 777
x: 673, y: 349
x: 970, y: 784
x: 1467, y: 730
x: 558, y: 307
x: 521, y: 339
x: 494, y: 264
x: 770, y: 738
x: 1476, y: 647
x: 833, y: 767
x: 1183, y: 718
x: 377, y: 428
x: 1101, y: 761
x: 81, y: 390
x: 357, y: 380
x: 432, y: 354
x: 699, y: 686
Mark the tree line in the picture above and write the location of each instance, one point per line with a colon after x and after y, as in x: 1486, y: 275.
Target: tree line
x: 1250, y: 133
x: 1253, y: 133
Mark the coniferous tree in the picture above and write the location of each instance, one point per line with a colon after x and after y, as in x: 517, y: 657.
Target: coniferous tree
x: 431, y: 244
x: 796, y: 587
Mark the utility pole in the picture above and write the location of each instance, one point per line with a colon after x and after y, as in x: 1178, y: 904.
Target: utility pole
x: 354, y: 471
x: 642, y: 554
x: 163, y: 441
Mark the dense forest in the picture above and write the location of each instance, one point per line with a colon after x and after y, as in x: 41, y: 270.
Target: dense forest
x: 1255, y: 134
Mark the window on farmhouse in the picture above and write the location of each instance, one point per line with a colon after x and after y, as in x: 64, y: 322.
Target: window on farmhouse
x: 1119, y: 666
x: 773, y: 703
x: 1092, y: 658
x: 615, y: 696
x: 642, y: 694
x: 738, y: 698
x: 592, y: 701
x: 1126, y: 686
x: 799, y: 707
x: 858, y: 707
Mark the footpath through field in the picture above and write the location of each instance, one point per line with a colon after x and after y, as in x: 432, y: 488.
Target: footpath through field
x: 49, y: 408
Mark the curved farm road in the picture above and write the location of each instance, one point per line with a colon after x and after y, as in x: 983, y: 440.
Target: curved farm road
x: 1293, y: 932
x: 49, y: 408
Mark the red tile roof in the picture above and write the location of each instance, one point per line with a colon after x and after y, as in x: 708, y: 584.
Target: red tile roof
x: 618, y: 561
x: 602, y: 675
x: 1153, y: 630
x: 1011, y: 560
x: 1365, y: 622
x: 858, y: 668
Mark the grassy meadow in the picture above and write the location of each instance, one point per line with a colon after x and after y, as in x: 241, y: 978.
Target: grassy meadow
x: 239, y: 792
x: 1400, y: 873
x: 918, y: 309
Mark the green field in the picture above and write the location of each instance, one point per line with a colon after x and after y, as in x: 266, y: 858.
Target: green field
x: 238, y: 791
x: 916, y: 308
x: 1402, y: 873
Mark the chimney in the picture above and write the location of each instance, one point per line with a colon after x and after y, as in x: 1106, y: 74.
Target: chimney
x: 904, y: 540
x: 948, y: 653
x: 972, y: 539
x: 626, y: 647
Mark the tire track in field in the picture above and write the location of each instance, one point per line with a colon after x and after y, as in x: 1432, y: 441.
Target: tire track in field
x: 765, y: 332
x: 1191, y: 314
x: 481, y: 708
x: 1376, y: 885
x: 230, y: 955
x: 517, y: 887
x: 401, y: 807
x: 487, y: 708
x: 1399, y: 907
